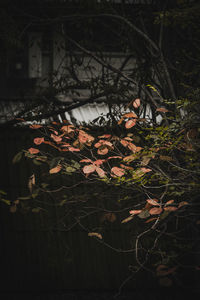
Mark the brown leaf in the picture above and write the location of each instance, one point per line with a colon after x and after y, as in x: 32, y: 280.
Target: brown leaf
x: 95, y: 234
x: 165, y: 281
x: 162, y: 109
x: 31, y: 182
x: 127, y: 219
x: 182, y: 203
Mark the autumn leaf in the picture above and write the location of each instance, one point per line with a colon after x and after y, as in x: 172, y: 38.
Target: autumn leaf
x: 130, y: 123
x: 38, y: 141
x: 113, y: 157
x: 89, y: 169
x: 102, y: 151
x: 151, y: 220
x: 166, y: 158
x: 35, y: 126
x: 100, y: 172
x: 130, y: 115
x: 84, y: 137
x: 136, y: 103
x: 153, y: 202
x: 162, y: 109
x: 170, y: 208
x: 56, y: 138
x: 55, y: 170
x: 72, y: 149
x: 105, y: 136
x: 145, y: 170
x: 117, y: 171
x: 95, y: 234
x: 182, y: 203
x: 33, y: 150
x: 127, y: 219
x: 169, y: 202
x: 135, y: 212
x: 67, y: 128
x: 99, y: 162
x: 155, y: 210
x: 86, y: 160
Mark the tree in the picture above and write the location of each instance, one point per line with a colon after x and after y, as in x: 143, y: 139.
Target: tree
x: 156, y: 167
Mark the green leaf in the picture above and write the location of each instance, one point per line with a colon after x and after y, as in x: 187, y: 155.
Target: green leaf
x: 144, y: 214
x: 6, y: 201
x: 2, y: 192
x: 17, y: 157
x: 36, y: 209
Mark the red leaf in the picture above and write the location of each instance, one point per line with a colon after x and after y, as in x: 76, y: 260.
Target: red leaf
x: 89, y: 169
x: 55, y: 170
x: 118, y: 171
x: 38, y: 141
x: 130, y: 124
x: 33, y: 150
x: 155, y: 211
x: 136, y: 103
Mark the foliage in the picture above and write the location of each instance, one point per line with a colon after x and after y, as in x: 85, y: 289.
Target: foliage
x: 151, y: 172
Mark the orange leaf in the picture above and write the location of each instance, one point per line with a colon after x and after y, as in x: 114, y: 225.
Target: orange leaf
x: 55, y: 170
x: 145, y: 170
x: 117, y: 171
x: 99, y: 162
x: 130, y: 123
x: 102, y: 151
x: 56, y: 138
x: 170, y: 208
x: 136, y: 103
x: 72, y: 149
x: 111, y: 157
x: 135, y: 212
x: 182, y: 203
x: 153, y: 202
x: 67, y: 128
x: 84, y: 137
x: 95, y: 234
x: 150, y: 220
x: 86, y: 160
x: 100, y: 172
x: 130, y: 115
x: 106, y: 136
x: 155, y: 211
x: 38, y: 141
x: 33, y: 150
x: 162, y: 109
x: 169, y: 202
x: 89, y: 169
x: 35, y: 126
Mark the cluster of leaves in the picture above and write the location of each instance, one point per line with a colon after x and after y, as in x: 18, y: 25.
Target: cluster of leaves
x: 158, y: 163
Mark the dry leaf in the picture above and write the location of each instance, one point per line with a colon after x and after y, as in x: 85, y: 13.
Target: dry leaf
x: 95, y: 234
